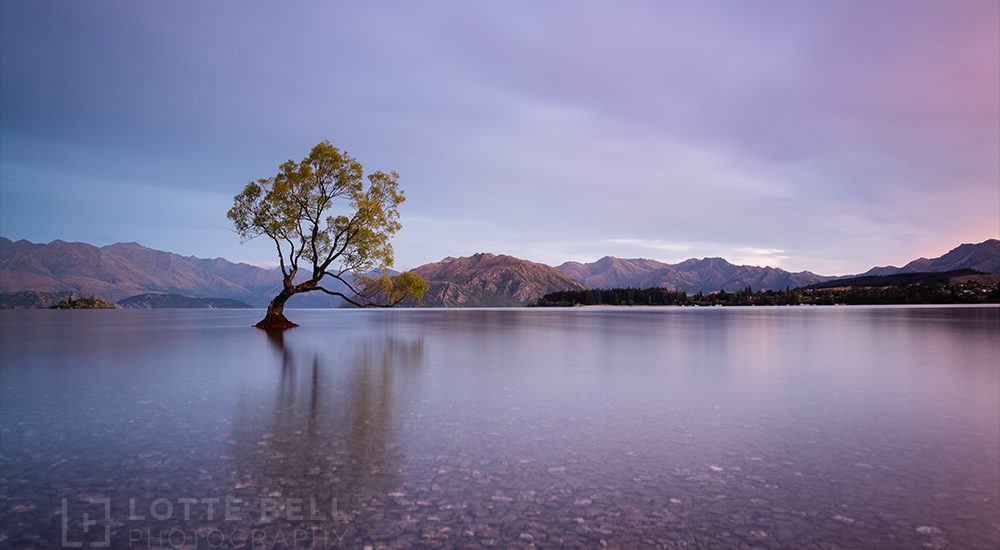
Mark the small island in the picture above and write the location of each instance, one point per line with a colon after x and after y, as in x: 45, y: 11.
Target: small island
x: 177, y: 301
x: 87, y: 302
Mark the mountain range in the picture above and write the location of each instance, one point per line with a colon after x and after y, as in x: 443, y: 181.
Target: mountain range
x: 118, y: 271
x: 694, y: 275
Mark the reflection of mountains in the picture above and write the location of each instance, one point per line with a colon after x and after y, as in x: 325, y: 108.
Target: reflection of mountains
x: 326, y: 429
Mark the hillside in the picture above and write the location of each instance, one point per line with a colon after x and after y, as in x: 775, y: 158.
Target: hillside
x: 484, y: 280
x: 899, y: 279
x: 984, y: 257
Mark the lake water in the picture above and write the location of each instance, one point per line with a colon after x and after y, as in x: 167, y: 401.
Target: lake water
x: 631, y: 427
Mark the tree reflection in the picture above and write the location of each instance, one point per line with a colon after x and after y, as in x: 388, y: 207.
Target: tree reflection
x: 328, y: 429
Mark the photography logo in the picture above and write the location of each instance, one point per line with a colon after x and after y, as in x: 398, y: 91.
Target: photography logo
x: 86, y: 524
x: 265, y: 522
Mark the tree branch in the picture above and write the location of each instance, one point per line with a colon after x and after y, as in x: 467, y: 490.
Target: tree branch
x: 315, y: 254
x: 334, y: 253
x: 302, y: 240
x: 340, y: 294
x: 291, y: 255
x: 364, y: 305
x: 347, y: 284
x: 281, y: 257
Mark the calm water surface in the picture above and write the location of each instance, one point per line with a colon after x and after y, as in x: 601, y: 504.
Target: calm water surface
x: 738, y: 427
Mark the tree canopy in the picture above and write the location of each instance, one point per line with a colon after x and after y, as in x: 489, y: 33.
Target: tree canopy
x: 328, y: 220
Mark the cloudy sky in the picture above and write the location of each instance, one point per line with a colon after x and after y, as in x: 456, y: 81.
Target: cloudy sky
x: 827, y: 136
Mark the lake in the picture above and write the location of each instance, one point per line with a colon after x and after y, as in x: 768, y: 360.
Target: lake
x: 806, y: 427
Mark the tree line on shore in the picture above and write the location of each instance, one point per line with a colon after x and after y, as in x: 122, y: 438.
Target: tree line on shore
x: 970, y: 292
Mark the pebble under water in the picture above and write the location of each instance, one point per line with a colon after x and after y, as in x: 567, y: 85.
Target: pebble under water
x: 793, y: 427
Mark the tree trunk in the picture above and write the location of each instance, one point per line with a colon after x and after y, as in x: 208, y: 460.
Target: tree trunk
x: 275, y: 318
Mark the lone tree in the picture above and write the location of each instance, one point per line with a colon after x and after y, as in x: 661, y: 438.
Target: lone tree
x: 324, y: 219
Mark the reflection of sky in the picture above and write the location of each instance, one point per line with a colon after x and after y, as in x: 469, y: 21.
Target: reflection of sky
x: 825, y: 137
